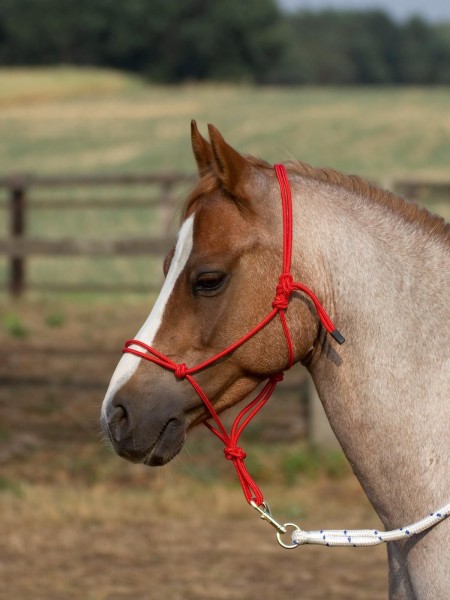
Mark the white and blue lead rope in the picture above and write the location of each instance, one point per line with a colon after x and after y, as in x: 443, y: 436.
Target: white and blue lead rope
x: 367, y: 537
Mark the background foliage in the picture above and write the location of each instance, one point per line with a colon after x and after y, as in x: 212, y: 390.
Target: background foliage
x: 254, y: 41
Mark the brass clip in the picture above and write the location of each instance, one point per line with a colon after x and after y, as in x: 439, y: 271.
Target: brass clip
x: 266, y: 515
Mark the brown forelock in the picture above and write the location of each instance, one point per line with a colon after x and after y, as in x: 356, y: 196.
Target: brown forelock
x: 430, y: 223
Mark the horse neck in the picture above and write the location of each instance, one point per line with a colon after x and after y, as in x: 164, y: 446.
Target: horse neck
x: 383, y: 390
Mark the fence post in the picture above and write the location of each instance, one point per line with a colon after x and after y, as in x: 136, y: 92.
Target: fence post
x: 320, y: 432
x: 17, y: 201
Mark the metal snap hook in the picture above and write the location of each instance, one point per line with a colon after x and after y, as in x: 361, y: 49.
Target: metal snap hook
x: 266, y: 515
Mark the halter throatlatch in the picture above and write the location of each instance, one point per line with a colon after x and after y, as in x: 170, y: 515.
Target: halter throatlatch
x: 285, y: 288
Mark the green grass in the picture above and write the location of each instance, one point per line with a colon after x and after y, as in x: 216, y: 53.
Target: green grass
x: 67, y: 120
x: 14, y: 326
x: 55, y: 319
x: 310, y: 462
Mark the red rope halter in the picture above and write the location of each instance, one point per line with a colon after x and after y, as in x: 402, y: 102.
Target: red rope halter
x: 285, y: 288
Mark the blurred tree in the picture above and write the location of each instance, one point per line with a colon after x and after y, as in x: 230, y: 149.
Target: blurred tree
x: 178, y: 40
x: 374, y: 47
x: 167, y: 39
x: 424, y: 54
x: 442, y: 66
x: 341, y: 47
x: 199, y: 39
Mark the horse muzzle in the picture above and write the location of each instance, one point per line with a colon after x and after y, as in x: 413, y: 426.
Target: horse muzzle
x: 142, y: 433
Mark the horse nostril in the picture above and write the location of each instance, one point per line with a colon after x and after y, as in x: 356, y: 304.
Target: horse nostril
x: 119, y: 422
x: 120, y: 413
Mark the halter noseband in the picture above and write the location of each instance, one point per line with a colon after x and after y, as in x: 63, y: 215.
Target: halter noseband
x: 284, y: 290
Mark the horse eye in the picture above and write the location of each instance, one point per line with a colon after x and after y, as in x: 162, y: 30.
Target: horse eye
x: 208, y: 282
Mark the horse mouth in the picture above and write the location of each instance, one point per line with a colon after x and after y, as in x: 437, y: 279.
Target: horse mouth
x: 134, y: 445
x: 197, y: 417
x: 172, y: 437
x: 167, y: 445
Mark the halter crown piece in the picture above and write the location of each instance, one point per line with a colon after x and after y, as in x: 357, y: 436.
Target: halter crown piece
x: 284, y: 290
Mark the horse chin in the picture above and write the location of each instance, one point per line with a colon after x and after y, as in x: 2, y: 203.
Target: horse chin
x: 172, y: 438
x: 168, y: 444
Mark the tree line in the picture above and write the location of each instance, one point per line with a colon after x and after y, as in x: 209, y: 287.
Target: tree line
x: 226, y: 40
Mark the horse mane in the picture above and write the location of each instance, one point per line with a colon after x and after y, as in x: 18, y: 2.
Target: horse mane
x: 410, y: 211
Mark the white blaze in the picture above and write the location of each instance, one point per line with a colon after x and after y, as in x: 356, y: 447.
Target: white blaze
x: 129, y: 362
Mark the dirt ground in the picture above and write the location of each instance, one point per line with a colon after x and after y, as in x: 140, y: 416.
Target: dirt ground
x: 77, y: 523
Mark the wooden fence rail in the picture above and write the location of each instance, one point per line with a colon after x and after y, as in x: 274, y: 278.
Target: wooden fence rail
x: 20, y: 247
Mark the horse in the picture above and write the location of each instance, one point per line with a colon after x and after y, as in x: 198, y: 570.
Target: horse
x: 379, y: 264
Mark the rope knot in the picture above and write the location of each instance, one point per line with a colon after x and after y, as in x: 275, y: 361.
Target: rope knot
x: 234, y: 453
x: 277, y: 377
x: 181, y: 371
x: 285, y: 288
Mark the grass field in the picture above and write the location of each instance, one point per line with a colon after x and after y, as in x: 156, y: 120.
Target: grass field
x: 66, y: 120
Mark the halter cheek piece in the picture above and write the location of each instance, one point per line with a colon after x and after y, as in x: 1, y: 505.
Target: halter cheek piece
x: 284, y: 290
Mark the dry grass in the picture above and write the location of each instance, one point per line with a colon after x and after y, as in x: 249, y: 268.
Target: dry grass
x: 104, y: 544
x: 33, y: 86
x: 58, y: 120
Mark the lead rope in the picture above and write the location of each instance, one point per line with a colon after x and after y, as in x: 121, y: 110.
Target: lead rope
x: 361, y: 537
x: 285, y: 288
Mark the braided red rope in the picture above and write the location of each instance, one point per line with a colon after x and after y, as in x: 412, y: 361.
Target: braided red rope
x: 285, y: 288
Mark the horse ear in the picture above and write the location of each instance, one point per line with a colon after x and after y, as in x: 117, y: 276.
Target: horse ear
x: 229, y: 164
x: 201, y: 149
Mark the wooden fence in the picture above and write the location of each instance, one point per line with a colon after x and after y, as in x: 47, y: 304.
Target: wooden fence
x: 19, y: 247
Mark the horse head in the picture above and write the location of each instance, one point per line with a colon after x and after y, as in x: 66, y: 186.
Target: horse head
x: 220, y: 281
